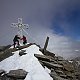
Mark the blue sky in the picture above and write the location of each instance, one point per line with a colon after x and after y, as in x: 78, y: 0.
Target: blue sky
x: 72, y: 19
x: 58, y: 19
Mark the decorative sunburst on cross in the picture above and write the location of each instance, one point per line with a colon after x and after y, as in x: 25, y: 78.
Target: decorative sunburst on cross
x: 20, y: 26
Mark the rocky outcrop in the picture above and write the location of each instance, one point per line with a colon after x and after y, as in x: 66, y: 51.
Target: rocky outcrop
x: 2, y: 48
x: 8, y: 52
x: 43, y: 57
x: 60, y: 68
x: 22, y: 52
x: 2, y: 72
x: 47, y: 53
x: 19, y: 74
x: 52, y: 65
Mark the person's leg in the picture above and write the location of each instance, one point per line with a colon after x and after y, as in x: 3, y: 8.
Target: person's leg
x: 18, y: 43
x: 24, y: 42
x: 14, y: 44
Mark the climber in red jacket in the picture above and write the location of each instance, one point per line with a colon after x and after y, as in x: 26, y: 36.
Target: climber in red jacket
x: 24, y: 40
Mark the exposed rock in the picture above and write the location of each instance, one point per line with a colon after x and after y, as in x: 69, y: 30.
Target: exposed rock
x: 4, y: 55
x: 53, y: 72
x: 37, y: 45
x: 42, y: 63
x: 2, y: 71
x: 57, y: 74
x: 68, y: 66
x: 76, y: 59
x: 56, y: 77
x: 51, y: 65
x: 63, y: 76
x: 2, y: 48
x: 4, y: 77
x: 22, y: 52
x: 79, y: 68
x: 54, y: 62
x: 13, y: 75
x: 75, y: 64
x: 70, y: 75
x: 60, y: 58
x: 59, y: 71
x: 8, y: 52
x: 61, y: 62
x: 43, y: 57
x: 79, y: 77
x: 47, y: 53
x: 17, y: 74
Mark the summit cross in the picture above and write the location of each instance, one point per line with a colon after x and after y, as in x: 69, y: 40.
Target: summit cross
x: 20, y: 26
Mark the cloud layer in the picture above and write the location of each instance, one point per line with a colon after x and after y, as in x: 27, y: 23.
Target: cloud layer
x: 40, y: 15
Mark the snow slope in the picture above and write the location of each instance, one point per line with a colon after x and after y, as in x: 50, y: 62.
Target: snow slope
x: 27, y: 62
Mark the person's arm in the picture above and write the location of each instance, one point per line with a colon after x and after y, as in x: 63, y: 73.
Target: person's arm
x: 18, y: 37
x: 21, y: 38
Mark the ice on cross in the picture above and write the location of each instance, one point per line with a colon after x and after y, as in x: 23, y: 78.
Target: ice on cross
x: 20, y: 26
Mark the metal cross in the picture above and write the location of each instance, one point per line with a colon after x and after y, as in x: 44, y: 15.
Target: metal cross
x: 20, y: 26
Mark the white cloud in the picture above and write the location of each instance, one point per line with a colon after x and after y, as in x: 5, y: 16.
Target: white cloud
x: 39, y: 14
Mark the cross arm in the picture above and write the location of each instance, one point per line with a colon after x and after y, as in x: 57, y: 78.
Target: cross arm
x: 25, y: 26
x: 14, y: 25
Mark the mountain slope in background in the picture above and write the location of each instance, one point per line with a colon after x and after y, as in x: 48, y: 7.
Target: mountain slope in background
x: 76, y: 59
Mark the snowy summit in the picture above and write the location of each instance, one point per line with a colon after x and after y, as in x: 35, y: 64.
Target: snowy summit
x: 26, y: 62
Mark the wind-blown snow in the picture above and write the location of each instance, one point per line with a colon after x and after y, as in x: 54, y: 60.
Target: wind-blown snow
x: 27, y: 62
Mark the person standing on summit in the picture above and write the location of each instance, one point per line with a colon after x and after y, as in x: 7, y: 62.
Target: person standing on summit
x: 16, y: 40
x: 24, y: 40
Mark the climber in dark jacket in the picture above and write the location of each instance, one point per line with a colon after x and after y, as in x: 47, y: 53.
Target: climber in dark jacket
x: 16, y: 40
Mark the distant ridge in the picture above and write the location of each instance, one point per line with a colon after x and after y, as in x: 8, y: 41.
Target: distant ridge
x: 76, y: 59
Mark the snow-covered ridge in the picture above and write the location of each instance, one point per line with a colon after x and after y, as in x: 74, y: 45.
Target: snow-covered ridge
x: 27, y: 62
